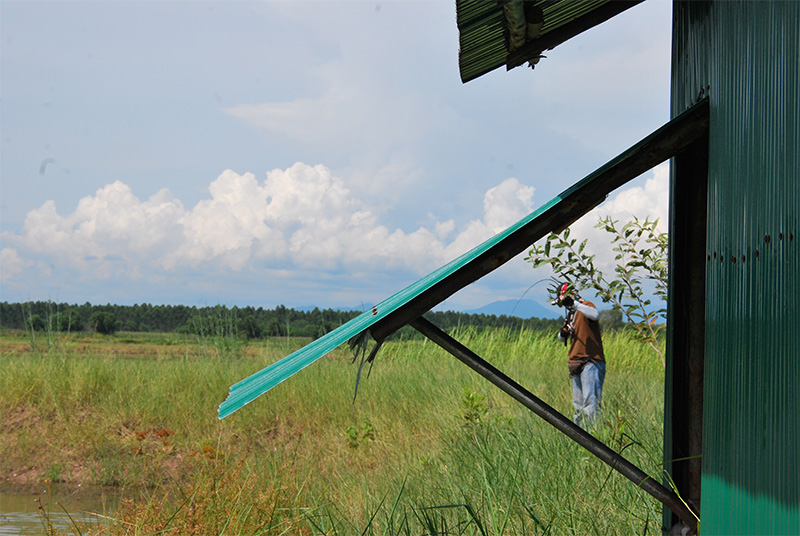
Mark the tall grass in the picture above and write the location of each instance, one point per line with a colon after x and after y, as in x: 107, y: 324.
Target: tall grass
x: 427, y: 446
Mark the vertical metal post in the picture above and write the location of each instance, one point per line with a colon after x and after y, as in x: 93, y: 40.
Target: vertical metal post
x: 561, y: 423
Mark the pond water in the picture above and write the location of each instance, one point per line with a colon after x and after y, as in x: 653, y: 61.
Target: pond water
x: 29, y: 511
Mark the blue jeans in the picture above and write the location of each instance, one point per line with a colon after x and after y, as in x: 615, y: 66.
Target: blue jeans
x: 587, y: 393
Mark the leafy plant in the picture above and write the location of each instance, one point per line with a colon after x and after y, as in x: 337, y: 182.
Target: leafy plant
x: 641, y: 256
x: 473, y: 407
x: 352, y: 436
x: 367, y: 430
x: 357, y: 436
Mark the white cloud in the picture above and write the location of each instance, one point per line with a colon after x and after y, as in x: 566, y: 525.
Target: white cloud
x: 506, y: 204
x: 650, y: 200
x: 302, y: 216
x: 228, y: 226
x: 111, y: 226
x: 11, y: 265
x: 353, y: 106
x: 503, y: 205
x: 301, y: 219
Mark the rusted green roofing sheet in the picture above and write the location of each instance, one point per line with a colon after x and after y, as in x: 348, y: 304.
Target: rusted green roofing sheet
x: 487, y: 29
x: 413, y: 301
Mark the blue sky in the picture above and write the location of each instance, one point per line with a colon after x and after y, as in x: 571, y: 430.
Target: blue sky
x: 297, y: 153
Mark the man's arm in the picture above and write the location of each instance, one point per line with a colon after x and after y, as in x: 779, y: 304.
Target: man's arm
x: 587, y: 310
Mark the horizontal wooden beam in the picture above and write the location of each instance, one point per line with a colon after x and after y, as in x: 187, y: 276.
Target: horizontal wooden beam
x: 576, y: 201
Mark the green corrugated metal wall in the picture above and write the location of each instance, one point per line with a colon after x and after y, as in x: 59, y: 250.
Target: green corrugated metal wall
x: 748, y: 54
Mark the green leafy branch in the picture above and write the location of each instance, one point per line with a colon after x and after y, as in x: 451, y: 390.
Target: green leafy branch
x: 641, y: 255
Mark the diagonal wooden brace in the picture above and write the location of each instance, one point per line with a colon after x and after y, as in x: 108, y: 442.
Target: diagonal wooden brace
x: 666, y: 496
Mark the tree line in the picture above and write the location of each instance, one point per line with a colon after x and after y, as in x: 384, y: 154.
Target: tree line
x: 247, y: 322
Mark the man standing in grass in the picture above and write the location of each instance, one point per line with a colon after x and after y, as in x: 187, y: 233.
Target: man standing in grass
x: 587, y: 363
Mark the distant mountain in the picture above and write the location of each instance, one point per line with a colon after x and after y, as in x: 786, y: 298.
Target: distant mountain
x: 519, y: 308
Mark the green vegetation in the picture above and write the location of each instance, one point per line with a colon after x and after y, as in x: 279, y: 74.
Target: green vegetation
x: 427, y: 447
x: 218, y: 320
x: 641, y: 260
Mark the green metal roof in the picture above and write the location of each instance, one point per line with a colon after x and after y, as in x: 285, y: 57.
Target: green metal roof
x: 413, y: 301
x: 483, y: 30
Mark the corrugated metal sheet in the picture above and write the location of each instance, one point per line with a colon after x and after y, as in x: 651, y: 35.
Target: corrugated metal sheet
x: 482, y: 30
x: 745, y: 56
x: 482, y: 41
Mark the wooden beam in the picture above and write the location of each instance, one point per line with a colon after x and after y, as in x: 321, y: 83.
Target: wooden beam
x: 551, y: 39
x: 662, y: 144
x: 686, y: 321
x: 599, y: 449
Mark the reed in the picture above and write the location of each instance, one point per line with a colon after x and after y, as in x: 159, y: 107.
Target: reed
x: 427, y: 446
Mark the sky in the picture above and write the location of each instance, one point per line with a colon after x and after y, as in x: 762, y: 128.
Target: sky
x: 300, y: 153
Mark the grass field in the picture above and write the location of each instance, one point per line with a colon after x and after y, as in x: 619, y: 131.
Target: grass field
x: 428, y: 446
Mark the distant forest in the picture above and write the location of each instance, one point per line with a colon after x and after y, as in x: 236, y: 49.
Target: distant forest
x: 246, y: 322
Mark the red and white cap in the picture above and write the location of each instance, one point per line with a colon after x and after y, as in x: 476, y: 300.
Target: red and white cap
x: 565, y: 290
